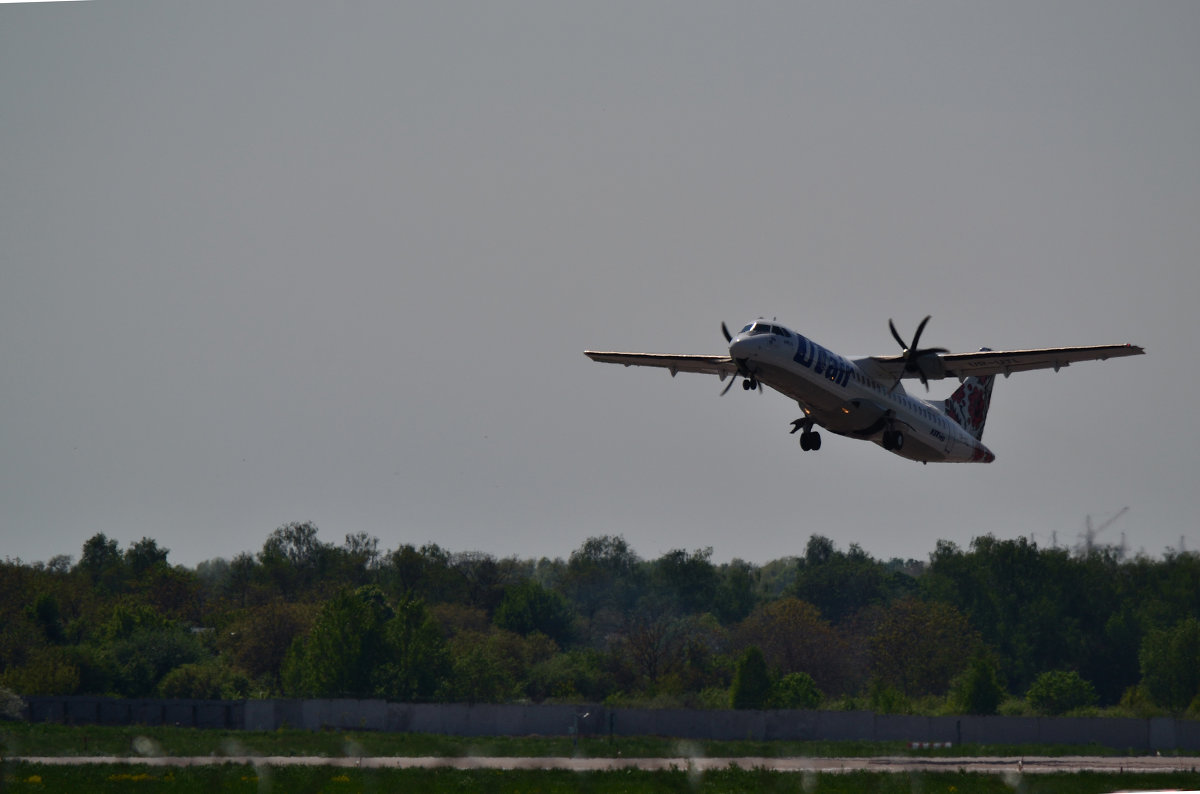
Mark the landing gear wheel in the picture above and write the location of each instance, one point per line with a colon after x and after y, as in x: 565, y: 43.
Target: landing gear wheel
x: 810, y: 441
x: 893, y: 440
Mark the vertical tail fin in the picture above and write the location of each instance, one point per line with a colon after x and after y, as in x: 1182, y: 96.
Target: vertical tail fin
x: 969, y: 405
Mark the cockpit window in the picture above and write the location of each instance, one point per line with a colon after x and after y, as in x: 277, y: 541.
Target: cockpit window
x: 759, y: 328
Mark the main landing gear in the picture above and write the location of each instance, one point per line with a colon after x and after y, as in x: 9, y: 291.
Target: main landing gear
x: 810, y: 440
x: 893, y: 440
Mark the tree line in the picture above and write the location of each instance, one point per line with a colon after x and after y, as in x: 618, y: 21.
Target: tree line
x: 999, y: 626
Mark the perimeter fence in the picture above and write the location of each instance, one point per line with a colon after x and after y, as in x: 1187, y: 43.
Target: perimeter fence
x: 460, y: 719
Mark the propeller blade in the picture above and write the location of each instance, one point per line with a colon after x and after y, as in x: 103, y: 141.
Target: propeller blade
x: 725, y: 330
x: 916, y: 343
x: 729, y: 385
x: 914, y: 352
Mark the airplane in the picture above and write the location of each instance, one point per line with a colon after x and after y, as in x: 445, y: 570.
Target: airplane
x: 863, y: 398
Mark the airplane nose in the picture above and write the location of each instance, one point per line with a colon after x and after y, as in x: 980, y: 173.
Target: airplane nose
x: 740, y: 347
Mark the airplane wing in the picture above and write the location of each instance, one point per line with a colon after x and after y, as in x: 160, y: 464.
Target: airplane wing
x: 721, y: 366
x: 1006, y: 362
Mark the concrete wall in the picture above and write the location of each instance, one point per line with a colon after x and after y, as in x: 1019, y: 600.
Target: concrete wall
x: 227, y: 714
x: 460, y: 719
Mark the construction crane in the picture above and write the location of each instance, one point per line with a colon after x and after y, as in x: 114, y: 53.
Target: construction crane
x: 1090, y: 533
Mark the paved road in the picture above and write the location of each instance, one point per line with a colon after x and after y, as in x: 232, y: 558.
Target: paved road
x: 997, y: 765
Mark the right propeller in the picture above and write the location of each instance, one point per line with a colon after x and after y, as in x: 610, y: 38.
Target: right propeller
x: 913, y: 353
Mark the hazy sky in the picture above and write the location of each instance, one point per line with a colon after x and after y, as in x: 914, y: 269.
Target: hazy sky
x: 273, y: 262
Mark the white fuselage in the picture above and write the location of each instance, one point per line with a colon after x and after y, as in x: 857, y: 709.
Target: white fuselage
x: 852, y: 398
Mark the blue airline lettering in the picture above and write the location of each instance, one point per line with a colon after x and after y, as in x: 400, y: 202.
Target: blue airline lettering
x: 812, y: 356
x: 804, y: 354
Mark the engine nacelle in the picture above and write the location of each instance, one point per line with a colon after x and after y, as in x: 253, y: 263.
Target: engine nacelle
x: 931, y: 366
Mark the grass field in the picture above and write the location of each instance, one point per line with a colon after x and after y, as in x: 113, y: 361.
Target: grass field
x: 135, y: 778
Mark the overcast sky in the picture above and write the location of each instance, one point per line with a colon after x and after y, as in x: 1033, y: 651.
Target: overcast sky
x: 308, y: 261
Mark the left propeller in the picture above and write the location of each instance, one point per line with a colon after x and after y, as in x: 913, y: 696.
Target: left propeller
x: 750, y: 381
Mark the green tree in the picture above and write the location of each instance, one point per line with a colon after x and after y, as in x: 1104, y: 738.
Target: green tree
x: 494, y: 666
x: 751, y: 681
x: 575, y: 675
x: 795, y: 691
x: 1039, y: 609
x: 689, y: 581
x: 144, y: 555
x: 978, y: 689
x: 649, y: 648
x: 603, y: 573
x: 425, y: 572
x: 293, y: 559
x: 482, y: 579
x: 202, y: 681
x: 886, y: 698
x: 130, y: 615
x: 256, y: 640
x: 919, y: 646
x: 528, y: 607
x: 46, y: 671
x: 240, y: 583
x: 842, y: 583
x: 141, y: 658
x: 359, y: 646
x: 735, y: 597
x: 794, y: 638
x: 46, y: 613
x: 358, y: 557
x: 346, y: 645
x: 1170, y: 662
x: 417, y: 664
x: 101, y: 562
x: 1060, y: 691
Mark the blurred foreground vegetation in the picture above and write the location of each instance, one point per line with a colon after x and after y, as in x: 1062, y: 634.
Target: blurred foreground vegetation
x: 1000, y: 627
x: 123, y: 778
